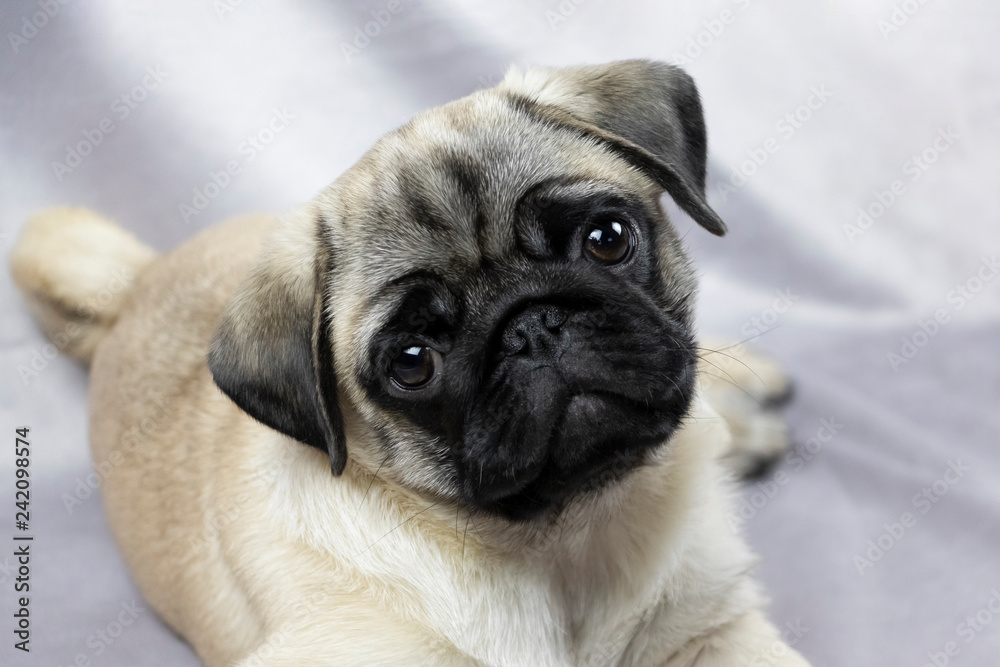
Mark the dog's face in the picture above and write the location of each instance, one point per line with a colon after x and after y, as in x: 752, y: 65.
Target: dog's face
x: 491, y: 304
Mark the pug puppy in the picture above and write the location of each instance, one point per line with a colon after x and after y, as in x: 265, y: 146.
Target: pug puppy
x: 452, y: 412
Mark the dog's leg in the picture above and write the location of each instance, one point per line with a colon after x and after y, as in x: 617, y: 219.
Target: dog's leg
x: 367, y: 638
x: 745, y: 388
x: 314, y: 656
x: 749, y: 640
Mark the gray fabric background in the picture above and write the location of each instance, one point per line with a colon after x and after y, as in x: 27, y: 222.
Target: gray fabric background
x: 850, y: 302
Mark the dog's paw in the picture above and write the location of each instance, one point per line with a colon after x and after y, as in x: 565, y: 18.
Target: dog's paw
x: 759, y: 441
x: 746, y: 389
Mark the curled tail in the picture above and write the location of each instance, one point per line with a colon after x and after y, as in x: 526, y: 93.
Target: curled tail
x: 76, y: 269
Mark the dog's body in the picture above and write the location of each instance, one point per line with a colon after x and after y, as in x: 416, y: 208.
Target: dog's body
x: 246, y: 544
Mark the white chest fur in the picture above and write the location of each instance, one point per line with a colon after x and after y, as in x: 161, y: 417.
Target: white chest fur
x: 625, y: 576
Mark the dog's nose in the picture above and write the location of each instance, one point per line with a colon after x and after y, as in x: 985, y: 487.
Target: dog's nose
x: 535, y: 331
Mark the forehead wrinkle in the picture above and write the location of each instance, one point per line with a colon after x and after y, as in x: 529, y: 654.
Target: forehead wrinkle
x: 423, y: 175
x: 505, y: 154
x: 476, y: 157
x: 415, y: 203
x: 474, y: 154
x: 389, y: 242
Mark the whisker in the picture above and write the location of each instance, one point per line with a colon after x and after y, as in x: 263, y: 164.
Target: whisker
x: 476, y: 528
x: 737, y: 360
x: 741, y: 342
x: 465, y: 534
x: 729, y: 380
x: 721, y: 369
x: 399, y: 525
x: 368, y: 490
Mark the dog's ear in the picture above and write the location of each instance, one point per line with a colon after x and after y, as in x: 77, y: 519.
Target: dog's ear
x: 272, y: 353
x: 648, y: 112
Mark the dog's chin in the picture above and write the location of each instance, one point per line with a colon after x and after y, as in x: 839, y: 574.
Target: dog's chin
x: 584, y: 458
x: 550, y: 491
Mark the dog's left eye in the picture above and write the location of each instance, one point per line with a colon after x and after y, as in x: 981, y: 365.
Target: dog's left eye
x: 607, y: 242
x: 414, y: 367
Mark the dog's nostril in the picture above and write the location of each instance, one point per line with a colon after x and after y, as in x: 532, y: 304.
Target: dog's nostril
x: 514, y: 341
x: 534, y: 330
x: 553, y: 318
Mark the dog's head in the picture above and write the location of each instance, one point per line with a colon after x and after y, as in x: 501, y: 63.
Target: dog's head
x: 491, y: 306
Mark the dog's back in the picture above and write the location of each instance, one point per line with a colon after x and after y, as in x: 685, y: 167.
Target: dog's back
x: 144, y: 323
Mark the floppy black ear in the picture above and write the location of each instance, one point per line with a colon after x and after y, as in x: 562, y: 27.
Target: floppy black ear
x: 649, y: 112
x: 272, y: 353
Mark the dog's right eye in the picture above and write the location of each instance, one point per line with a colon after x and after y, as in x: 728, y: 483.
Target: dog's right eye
x: 414, y: 367
x: 607, y: 242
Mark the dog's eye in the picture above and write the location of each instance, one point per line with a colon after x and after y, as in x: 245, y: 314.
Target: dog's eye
x: 607, y: 242
x: 415, y: 366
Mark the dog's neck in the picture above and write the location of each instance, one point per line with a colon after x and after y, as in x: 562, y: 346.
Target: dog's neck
x: 579, y: 585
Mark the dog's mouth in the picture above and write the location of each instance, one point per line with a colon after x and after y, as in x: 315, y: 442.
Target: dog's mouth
x: 600, y: 437
x: 550, y: 488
